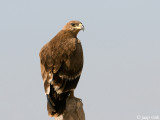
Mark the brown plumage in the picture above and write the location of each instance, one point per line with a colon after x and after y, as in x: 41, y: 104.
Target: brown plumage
x: 61, y: 61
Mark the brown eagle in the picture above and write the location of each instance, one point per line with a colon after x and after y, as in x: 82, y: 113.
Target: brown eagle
x: 61, y: 61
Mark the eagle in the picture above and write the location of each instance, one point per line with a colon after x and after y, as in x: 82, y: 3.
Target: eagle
x: 61, y: 62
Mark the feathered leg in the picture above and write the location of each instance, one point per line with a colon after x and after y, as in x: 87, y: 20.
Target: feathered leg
x: 72, y: 93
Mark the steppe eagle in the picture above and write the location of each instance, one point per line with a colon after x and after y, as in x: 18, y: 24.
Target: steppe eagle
x: 61, y: 61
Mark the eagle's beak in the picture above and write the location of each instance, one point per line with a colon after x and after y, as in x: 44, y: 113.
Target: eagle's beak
x: 80, y: 27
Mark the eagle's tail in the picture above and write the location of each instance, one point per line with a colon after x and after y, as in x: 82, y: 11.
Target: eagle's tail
x: 56, y: 103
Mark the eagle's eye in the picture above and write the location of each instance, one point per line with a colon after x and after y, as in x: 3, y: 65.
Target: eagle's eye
x: 73, y: 24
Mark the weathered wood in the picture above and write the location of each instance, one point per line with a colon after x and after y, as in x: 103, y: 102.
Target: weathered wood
x: 74, y: 110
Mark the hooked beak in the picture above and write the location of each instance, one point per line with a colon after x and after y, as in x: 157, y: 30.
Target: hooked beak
x: 80, y: 27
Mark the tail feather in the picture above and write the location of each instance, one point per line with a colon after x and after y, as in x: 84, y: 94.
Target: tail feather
x: 56, y: 103
x: 51, y: 103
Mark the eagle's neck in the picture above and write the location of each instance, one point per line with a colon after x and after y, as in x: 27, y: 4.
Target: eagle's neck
x: 71, y: 34
x: 64, y: 35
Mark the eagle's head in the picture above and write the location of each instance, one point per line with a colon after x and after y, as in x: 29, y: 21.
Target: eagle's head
x: 74, y: 26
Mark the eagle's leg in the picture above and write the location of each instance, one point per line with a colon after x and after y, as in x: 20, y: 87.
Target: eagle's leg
x: 72, y: 93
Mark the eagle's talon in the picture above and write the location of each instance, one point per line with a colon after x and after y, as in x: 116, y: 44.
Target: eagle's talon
x: 79, y: 99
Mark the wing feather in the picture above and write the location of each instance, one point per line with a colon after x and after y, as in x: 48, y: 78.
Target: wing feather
x: 51, y: 57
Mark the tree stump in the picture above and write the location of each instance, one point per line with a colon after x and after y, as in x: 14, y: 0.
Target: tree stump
x: 74, y: 110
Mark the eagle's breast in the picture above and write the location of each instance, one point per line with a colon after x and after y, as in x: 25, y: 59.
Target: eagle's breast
x: 72, y: 66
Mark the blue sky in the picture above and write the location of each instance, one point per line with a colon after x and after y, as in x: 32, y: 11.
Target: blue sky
x: 120, y: 79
